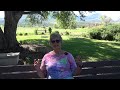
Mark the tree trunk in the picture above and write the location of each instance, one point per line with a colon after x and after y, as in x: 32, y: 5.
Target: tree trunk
x: 10, y: 27
x: 2, y: 41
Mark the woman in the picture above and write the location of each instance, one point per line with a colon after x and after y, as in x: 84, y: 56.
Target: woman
x: 57, y: 64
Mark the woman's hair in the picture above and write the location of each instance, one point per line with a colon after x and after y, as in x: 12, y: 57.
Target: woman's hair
x: 55, y: 35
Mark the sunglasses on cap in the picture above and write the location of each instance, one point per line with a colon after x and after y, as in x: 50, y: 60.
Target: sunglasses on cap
x: 53, y: 41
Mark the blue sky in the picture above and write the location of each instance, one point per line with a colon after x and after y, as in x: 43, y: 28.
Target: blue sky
x: 113, y: 14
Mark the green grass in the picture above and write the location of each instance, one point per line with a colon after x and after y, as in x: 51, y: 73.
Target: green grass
x: 30, y: 30
x: 93, y: 50
x: 88, y: 49
x: 21, y: 38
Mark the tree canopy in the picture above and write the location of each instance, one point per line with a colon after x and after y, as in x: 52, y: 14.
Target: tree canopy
x: 8, y: 37
x: 65, y: 19
x: 105, y: 19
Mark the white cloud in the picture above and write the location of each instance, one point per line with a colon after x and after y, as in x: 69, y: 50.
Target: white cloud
x: 1, y: 14
x: 86, y: 13
x: 113, y: 14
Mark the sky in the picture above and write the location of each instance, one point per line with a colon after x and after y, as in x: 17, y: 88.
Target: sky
x: 112, y: 14
x: 1, y: 14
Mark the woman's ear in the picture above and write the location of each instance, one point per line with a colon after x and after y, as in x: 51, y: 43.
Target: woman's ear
x: 61, y: 41
x: 49, y: 43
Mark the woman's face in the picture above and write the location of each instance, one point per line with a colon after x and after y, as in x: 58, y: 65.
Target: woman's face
x: 55, y: 43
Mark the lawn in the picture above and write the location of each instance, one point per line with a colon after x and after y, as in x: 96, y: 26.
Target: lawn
x: 88, y: 49
x: 93, y: 50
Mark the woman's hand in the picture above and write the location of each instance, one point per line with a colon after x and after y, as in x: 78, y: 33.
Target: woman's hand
x: 37, y: 67
x: 37, y: 64
x: 78, y: 61
x: 79, y: 65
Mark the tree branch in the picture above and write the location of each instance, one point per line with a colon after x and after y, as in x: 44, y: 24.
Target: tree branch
x: 32, y: 12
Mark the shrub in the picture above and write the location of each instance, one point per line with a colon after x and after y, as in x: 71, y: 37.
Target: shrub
x: 50, y: 30
x: 107, y: 35
x: 35, y: 32
x: 117, y: 37
x: 56, y: 26
x: 82, y: 27
x: 28, y: 60
x: 95, y: 34
x: 84, y: 35
x: 114, y: 28
x: 20, y: 34
x: 42, y: 33
x: 20, y: 42
x: 26, y: 34
x: 66, y: 33
x: 57, y: 32
x: 108, y: 32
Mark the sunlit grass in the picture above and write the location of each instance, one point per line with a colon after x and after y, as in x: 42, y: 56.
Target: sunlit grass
x: 88, y: 49
x: 21, y: 38
x: 93, y: 50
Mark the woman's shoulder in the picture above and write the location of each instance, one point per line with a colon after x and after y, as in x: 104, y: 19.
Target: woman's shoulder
x: 48, y: 54
x: 67, y: 53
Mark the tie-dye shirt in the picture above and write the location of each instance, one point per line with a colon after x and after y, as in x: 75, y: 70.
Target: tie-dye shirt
x: 58, y: 67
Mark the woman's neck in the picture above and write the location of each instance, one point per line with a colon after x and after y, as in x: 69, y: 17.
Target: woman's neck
x: 58, y: 52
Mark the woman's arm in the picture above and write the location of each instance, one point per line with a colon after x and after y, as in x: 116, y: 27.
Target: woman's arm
x: 78, y: 69
x: 79, y: 66
x: 41, y: 73
x: 75, y: 64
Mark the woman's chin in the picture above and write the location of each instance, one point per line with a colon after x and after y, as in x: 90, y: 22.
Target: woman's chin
x: 56, y: 48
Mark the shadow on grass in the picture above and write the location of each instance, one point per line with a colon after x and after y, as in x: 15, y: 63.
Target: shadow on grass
x: 86, y: 48
x: 35, y: 41
x: 92, y: 51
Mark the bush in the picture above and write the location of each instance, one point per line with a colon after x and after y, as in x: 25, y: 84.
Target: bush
x: 84, y: 35
x: 50, y: 30
x: 29, y: 60
x: 95, y: 34
x: 26, y: 34
x: 107, y: 35
x: 82, y: 27
x: 109, y: 32
x: 56, y: 26
x: 20, y: 34
x: 20, y: 42
x: 57, y: 32
x: 66, y: 33
x: 114, y: 28
x: 117, y: 37
x: 42, y: 33
x: 35, y: 32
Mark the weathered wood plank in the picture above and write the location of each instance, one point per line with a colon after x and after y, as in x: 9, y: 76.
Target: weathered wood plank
x: 15, y: 68
x: 107, y: 76
x: 94, y: 71
x: 19, y: 75
x: 101, y: 63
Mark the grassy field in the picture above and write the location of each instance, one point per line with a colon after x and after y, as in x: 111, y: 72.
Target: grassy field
x: 88, y: 49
